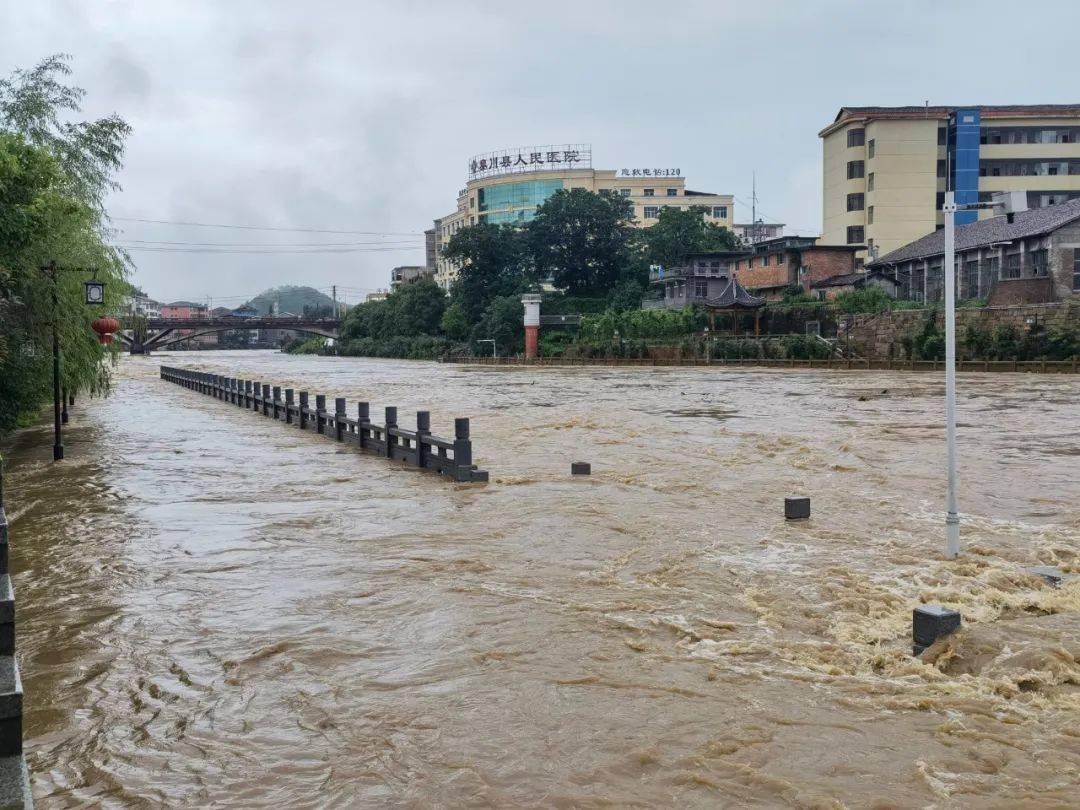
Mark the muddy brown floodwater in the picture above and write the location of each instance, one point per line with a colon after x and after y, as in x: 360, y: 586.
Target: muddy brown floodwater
x: 216, y: 610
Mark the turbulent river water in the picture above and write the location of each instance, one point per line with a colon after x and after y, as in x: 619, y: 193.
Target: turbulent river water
x: 216, y: 610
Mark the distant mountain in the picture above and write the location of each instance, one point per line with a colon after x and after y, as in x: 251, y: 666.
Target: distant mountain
x: 292, y: 300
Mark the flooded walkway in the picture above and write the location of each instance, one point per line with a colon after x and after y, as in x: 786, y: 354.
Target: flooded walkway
x: 215, y: 610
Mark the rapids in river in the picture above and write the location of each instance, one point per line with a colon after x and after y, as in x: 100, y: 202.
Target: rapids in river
x: 217, y: 610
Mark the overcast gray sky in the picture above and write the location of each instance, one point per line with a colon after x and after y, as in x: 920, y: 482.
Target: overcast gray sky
x: 359, y: 116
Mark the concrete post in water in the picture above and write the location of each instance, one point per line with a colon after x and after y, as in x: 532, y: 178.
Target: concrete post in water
x: 423, y: 428
x: 320, y: 413
x: 247, y: 393
x: 796, y: 508
x: 391, y: 422
x: 266, y: 400
x: 363, y: 418
x: 339, y: 418
x: 255, y: 395
x: 277, y: 401
x: 532, y: 325
x: 929, y: 623
x: 580, y: 468
x: 303, y: 410
x: 288, y: 406
x: 462, y: 449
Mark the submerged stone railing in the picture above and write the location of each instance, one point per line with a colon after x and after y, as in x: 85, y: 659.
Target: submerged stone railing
x: 14, y: 778
x: 417, y: 448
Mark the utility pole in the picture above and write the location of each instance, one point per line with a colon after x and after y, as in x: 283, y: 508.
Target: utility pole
x: 334, y: 289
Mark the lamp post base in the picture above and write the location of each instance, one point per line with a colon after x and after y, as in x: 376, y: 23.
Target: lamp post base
x: 58, y: 452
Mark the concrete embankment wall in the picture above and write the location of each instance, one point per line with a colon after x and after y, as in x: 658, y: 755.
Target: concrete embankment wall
x: 886, y: 336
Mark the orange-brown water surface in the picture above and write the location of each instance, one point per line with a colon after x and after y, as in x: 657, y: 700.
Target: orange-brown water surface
x: 215, y: 610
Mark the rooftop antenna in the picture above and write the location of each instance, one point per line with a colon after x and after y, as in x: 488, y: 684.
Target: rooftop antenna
x: 754, y: 232
x: 927, y: 113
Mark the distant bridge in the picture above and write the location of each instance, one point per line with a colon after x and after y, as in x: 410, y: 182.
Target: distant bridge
x: 162, y: 332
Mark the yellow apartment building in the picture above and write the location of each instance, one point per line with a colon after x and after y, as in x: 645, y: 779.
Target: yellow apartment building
x: 506, y: 186
x: 886, y: 169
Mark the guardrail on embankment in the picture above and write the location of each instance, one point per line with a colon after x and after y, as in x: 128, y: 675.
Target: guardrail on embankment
x: 14, y: 778
x: 1030, y: 366
x: 417, y: 448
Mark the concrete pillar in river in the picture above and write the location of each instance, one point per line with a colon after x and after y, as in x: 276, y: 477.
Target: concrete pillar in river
x: 532, y: 325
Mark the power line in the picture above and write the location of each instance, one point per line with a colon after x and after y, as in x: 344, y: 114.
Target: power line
x: 272, y: 244
x: 285, y: 252
x: 263, y: 227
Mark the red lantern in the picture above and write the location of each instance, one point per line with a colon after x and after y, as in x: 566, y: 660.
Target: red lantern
x: 106, y: 328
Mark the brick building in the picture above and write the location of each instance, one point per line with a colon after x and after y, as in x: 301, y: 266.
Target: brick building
x: 1024, y: 258
x: 778, y: 263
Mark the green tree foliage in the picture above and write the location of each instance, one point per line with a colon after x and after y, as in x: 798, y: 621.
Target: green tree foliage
x: 454, y: 323
x: 502, y: 321
x: 415, y: 309
x: 32, y: 103
x: 584, y: 241
x: 54, y: 176
x: 643, y: 323
x: 492, y: 262
x: 679, y: 232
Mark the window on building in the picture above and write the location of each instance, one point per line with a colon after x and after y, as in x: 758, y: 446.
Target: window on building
x: 1012, y: 266
x: 855, y: 234
x: 1076, y: 270
x: 648, y: 192
x: 870, y: 148
x: 673, y: 192
x: 779, y: 259
x: 750, y: 263
x: 1038, y: 263
x: 765, y: 260
x: 701, y: 288
x: 939, y: 201
x: 624, y: 192
x: 472, y: 202
x: 719, y: 212
x: 870, y: 215
x: 855, y: 168
x: 652, y: 211
x: 856, y: 137
x: 855, y: 202
x: 969, y: 282
x: 941, y: 139
x: 941, y: 168
x: 870, y: 182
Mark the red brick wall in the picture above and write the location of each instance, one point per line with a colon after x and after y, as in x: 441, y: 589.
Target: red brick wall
x: 821, y: 264
x: 771, y: 276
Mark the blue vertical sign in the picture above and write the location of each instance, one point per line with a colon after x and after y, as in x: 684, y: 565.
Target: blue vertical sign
x: 963, y: 155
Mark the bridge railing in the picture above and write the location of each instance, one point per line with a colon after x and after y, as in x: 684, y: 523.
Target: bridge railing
x: 416, y: 448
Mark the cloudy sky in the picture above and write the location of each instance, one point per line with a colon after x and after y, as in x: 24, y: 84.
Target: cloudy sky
x: 359, y: 116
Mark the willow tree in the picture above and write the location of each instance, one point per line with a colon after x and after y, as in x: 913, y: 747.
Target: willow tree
x: 54, y: 176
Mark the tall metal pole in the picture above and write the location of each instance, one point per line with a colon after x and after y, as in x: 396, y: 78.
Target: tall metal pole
x: 58, y: 441
x: 952, y: 518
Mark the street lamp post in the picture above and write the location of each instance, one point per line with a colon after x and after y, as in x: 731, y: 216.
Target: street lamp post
x: 95, y: 295
x: 1007, y: 203
x: 952, y: 518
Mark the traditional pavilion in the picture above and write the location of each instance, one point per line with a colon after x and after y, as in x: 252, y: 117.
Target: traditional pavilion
x: 735, y: 301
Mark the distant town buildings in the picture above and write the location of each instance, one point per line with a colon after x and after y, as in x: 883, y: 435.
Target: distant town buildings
x: 507, y: 186
x: 408, y: 273
x: 184, y: 309
x: 886, y: 169
x: 378, y: 295
x: 753, y: 232
x: 141, y: 304
x: 773, y: 265
x: 1028, y: 257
